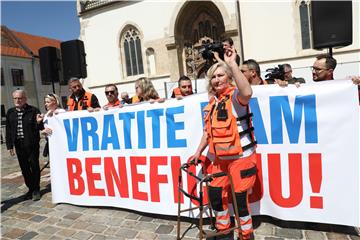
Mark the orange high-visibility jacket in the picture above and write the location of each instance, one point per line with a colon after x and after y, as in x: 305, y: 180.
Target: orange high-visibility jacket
x: 223, y: 134
x: 83, y: 103
x: 177, y: 92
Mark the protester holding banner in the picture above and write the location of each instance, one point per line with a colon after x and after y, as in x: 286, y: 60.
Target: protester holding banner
x: 184, y: 88
x: 112, y: 96
x: 80, y: 99
x: 53, y: 106
x: 323, y: 68
x: 145, y: 91
x: 228, y: 133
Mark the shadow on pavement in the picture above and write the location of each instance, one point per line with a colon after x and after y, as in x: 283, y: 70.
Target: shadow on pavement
x: 257, y: 220
x: 8, y: 203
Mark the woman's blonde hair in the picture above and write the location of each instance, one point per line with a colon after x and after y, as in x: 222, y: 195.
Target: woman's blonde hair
x: 210, y: 74
x: 53, y: 96
x: 147, y: 88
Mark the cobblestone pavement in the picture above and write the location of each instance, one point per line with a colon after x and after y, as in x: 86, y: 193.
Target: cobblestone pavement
x: 26, y: 219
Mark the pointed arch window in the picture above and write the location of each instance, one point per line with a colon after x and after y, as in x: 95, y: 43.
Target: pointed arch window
x: 133, y: 53
x: 150, y: 57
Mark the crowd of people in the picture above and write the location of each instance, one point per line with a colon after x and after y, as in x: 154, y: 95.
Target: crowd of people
x: 229, y: 89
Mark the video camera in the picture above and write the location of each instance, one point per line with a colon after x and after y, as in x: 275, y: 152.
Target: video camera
x: 207, y: 49
x: 275, y: 73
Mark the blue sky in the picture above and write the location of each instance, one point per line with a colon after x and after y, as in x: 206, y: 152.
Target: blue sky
x: 52, y: 19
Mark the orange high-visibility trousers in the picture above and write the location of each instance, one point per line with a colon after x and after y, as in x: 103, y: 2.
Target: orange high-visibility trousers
x: 243, y: 173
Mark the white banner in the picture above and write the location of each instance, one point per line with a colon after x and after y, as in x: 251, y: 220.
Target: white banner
x: 308, y: 154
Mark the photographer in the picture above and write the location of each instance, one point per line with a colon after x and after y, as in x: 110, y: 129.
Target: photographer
x: 288, y: 78
x: 227, y: 43
x: 214, y: 52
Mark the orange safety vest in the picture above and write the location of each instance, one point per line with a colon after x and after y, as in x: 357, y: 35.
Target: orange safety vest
x: 83, y: 103
x: 116, y: 103
x: 177, y: 92
x: 223, y: 135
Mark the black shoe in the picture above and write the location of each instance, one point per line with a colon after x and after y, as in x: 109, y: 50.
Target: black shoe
x: 27, y: 195
x: 36, y: 196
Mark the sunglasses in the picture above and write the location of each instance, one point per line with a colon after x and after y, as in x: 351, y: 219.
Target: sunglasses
x: 109, y: 92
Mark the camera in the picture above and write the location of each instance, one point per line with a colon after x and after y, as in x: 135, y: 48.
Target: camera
x: 275, y: 73
x: 207, y: 49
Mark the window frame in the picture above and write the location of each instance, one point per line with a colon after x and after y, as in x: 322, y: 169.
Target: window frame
x: 17, y: 76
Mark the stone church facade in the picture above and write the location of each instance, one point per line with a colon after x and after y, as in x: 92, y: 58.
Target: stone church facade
x: 162, y: 40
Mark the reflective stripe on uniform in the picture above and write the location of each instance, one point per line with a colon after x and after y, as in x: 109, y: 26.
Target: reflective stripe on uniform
x: 230, y: 157
x: 223, y: 222
x: 224, y: 148
x: 245, y: 218
x: 246, y: 227
x: 221, y: 213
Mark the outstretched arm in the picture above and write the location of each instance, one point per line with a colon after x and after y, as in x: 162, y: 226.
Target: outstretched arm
x: 245, y: 90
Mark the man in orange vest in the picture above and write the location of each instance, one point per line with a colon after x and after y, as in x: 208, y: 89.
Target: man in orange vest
x: 112, y: 96
x: 184, y: 88
x: 80, y: 99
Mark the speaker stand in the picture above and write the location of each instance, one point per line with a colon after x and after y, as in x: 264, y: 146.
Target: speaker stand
x: 330, y: 51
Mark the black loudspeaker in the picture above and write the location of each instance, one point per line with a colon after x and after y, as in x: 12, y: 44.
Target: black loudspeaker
x: 331, y: 23
x: 49, y: 64
x: 73, y: 59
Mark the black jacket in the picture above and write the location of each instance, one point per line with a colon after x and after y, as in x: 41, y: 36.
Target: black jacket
x: 30, y: 127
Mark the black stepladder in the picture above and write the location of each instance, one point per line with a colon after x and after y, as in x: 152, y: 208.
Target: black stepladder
x: 200, y: 181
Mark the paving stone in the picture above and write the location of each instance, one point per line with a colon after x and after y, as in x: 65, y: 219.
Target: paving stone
x: 146, y: 236
x: 110, y: 231
x: 23, y: 215
x: 355, y: 237
x: 132, y: 216
x: 96, y: 228
x: 145, y: 219
x: 273, y: 238
x: 288, y: 233
x: 99, y: 219
x: 310, y: 234
x: 164, y: 229
x: 49, y: 229
x: 65, y: 232
x: 38, y: 218
x: 20, y: 223
x: 127, y: 233
x: 43, y: 237
x: 52, y: 220
x: 65, y: 223
x: 129, y: 224
x: 265, y: 230
x: 116, y: 221
x: 336, y: 236
x: 15, y: 233
x: 80, y: 225
x: 28, y: 235
x: 73, y: 215
x: 82, y: 235
x: 98, y: 237
x: 147, y: 226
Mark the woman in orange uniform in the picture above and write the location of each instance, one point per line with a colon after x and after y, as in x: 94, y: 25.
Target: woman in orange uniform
x: 229, y: 134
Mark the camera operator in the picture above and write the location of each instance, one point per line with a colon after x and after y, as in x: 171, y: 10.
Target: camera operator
x: 251, y: 69
x: 288, y: 78
x: 227, y: 43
